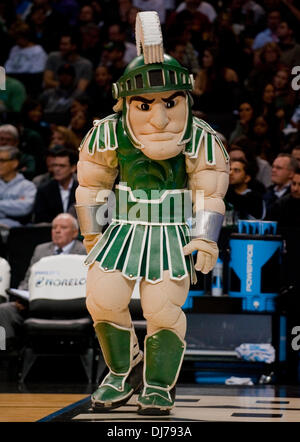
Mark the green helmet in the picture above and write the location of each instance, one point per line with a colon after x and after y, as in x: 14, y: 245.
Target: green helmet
x: 152, y: 71
x: 140, y: 78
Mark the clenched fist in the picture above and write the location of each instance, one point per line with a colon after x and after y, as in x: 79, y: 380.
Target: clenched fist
x: 207, y: 255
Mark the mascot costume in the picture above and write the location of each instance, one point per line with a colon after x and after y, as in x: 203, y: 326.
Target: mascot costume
x: 159, y: 152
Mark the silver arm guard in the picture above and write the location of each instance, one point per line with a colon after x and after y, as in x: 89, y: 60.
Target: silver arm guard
x: 90, y: 219
x: 207, y: 225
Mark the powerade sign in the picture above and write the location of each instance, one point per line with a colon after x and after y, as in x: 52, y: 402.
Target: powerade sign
x: 249, y: 279
x: 254, y: 263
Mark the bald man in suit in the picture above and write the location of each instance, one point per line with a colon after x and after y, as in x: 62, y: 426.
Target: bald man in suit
x: 64, y: 233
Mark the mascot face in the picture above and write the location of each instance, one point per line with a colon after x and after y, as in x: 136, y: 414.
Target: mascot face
x: 158, y: 121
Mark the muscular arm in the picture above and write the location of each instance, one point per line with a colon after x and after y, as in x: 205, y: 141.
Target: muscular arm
x: 95, y: 172
x: 212, y: 180
x: 209, y: 185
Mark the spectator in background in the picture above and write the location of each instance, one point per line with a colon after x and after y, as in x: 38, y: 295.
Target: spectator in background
x: 290, y: 50
x: 226, y: 39
x: 250, y: 7
x: 296, y: 154
x: 117, y: 34
x: 243, y: 147
x: 7, y: 17
x: 68, y: 53
x: 177, y: 50
x: 266, y: 64
x: 286, y: 211
x: 191, y: 30
x: 262, y: 137
x: 13, y: 96
x: 49, y: 161
x: 32, y: 116
x: 283, y: 169
x: 58, y: 195
x: 247, y: 203
x: 214, y: 74
x: 124, y: 7
x: 198, y: 5
x: 246, y: 118
x: 99, y: 91
x: 295, y: 119
x: 130, y: 22
x: 65, y: 137
x: 113, y: 54
x: 269, y: 35
x: 292, y: 12
x: 284, y: 100
x: 216, y: 83
x: 64, y: 12
x: 26, y: 60
x: 90, y: 46
x: 245, y: 57
x: 44, y: 31
x: 9, y: 135
x: 86, y: 16
x: 80, y: 125
x: 57, y: 101
x: 55, y: 19
x: 80, y: 103
x: 102, y: 13
x: 64, y: 235
x: 268, y: 124
x: 16, y: 193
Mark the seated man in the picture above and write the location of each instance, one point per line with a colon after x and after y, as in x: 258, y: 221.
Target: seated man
x: 57, y: 195
x: 64, y: 233
x: 68, y: 53
x: 57, y: 101
x: 247, y: 203
x: 283, y: 169
x: 17, y: 194
x: 286, y: 211
x: 28, y: 144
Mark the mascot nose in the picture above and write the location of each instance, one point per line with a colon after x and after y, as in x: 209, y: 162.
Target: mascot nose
x: 159, y: 118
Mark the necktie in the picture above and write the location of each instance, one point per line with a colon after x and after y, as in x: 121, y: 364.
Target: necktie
x: 58, y: 251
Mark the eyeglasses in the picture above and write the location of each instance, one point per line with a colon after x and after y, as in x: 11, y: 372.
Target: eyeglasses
x: 5, y: 160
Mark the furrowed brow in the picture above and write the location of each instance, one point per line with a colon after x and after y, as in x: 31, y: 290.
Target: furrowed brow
x: 142, y: 99
x: 171, y: 97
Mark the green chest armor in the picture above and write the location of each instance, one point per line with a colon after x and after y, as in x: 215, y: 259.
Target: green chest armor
x: 140, y: 172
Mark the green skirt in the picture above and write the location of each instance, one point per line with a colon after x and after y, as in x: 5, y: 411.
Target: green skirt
x: 144, y: 250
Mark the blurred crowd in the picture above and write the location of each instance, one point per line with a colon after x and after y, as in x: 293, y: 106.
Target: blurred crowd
x: 62, y: 56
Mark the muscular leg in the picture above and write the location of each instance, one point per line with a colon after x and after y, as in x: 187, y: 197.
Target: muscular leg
x: 108, y: 296
x: 161, y: 304
x: 164, y: 343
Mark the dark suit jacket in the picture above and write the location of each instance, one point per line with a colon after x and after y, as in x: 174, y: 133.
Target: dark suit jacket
x: 47, y: 249
x: 48, y: 203
x: 270, y: 197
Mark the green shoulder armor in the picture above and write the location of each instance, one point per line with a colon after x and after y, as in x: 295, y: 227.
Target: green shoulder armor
x: 102, y: 136
x: 201, y: 131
